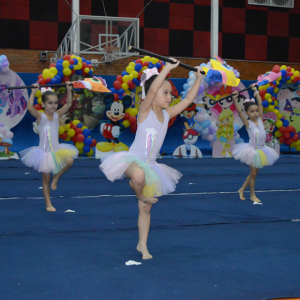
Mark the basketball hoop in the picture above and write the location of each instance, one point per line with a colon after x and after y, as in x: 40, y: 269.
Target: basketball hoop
x: 110, y: 53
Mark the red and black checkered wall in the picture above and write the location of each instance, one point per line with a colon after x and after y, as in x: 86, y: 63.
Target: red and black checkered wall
x: 178, y: 28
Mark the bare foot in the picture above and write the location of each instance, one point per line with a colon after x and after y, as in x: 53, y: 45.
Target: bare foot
x: 149, y: 200
x: 144, y: 251
x: 242, y: 197
x: 54, y: 183
x: 254, y: 199
x: 50, y: 208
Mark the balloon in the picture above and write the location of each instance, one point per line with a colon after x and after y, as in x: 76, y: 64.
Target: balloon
x: 281, y: 129
x: 119, y: 78
x: 129, y: 69
x: 286, y: 135
x: 126, y: 123
x: 288, y: 142
x: 117, y: 84
x: 77, y: 130
x: 71, y: 132
x: 80, y: 137
x: 125, y: 86
x: 290, y: 129
x: 278, y: 134
x: 132, y: 119
x: 278, y: 123
x: 88, y: 141
x: 127, y: 116
x: 295, y: 138
x: 63, y: 136
x: 67, y: 71
x: 46, y: 73
x: 86, y: 132
x: 94, y: 142
x: 79, y: 145
x: 61, y: 130
x: 79, y: 125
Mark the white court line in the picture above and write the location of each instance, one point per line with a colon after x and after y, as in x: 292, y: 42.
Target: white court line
x: 180, y: 194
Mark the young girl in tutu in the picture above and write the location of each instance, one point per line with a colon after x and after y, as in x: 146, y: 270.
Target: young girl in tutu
x: 50, y: 156
x: 255, y: 153
x: 148, y: 179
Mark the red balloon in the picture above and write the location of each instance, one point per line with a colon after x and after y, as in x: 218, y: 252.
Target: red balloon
x: 84, y: 65
x: 281, y: 139
x: 288, y: 69
x: 66, y: 78
x: 169, y: 74
x: 48, y: 79
x: 78, y: 131
x: 129, y: 82
x: 262, y: 92
x: 52, y: 65
x: 139, y: 61
x: 286, y: 135
x: 132, y: 120
x: 139, y: 76
x: 290, y: 129
x: 116, y: 97
x: 295, y: 80
x: 127, y: 116
x: 74, y: 127
x: 298, y: 78
x: 288, y: 142
x: 282, y: 129
x: 295, y: 138
x: 133, y: 127
x: 42, y: 81
x: 80, y: 138
x: 63, y: 136
x: 120, y: 78
x: 38, y: 106
x: 94, y: 143
x: 146, y: 63
x: 71, y: 61
x: 132, y: 86
x: 291, y: 74
x: 73, y: 72
x: 276, y: 69
x: 273, y: 98
x: 40, y: 76
x: 67, y: 57
x: 74, y: 139
x: 89, y: 66
x: 117, y: 84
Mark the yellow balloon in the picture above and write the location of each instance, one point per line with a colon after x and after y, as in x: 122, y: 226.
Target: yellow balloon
x: 293, y: 70
x: 66, y: 64
x: 270, y: 100
x: 53, y: 70
x: 46, y: 73
x: 68, y: 139
x: 71, y: 132
x: 79, y: 66
x: 129, y: 69
x: 61, y: 130
x: 84, y: 127
x: 125, y: 78
x: 86, y: 70
x: 276, y: 90
x: 80, y: 151
x: 289, y: 81
x: 298, y: 143
x: 263, y: 87
x: 135, y: 74
x: 132, y: 64
x: 270, y: 108
x: 152, y: 60
x: 38, y: 94
x: 279, y: 116
x: 79, y: 59
x: 126, y: 123
x: 41, y: 111
x: 293, y: 77
x: 296, y: 73
x: 276, y: 102
x: 75, y: 68
x: 67, y: 127
x: 134, y: 112
x: 278, y: 134
x: 278, y: 123
x: 276, y: 111
x: 144, y: 68
x: 73, y: 56
x: 298, y: 148
x: 79, y: 145
x: 130, y: 76
x: 293, y: 145
x: 147, y: 58
x: 267, y: 96
x: 283, y: 67
x: 279, y: 78
x: 91, y: 152
x: 75, y: 122
x: 39, y: 101
x: 125, y: 86
x: 52, y: 75
x: 67, y: 71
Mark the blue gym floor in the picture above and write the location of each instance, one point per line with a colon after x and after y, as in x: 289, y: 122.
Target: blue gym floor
x: 205, y: 242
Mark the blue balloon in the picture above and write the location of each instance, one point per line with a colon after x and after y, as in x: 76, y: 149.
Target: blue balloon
x: 78, y: 72
x: 283, y: 72
x: 265, y: 103
x: 292, y: 134
x: 206, y: 79
x: 286, y: 123
x: 90, y: 72
x: 270, y: 90
x: 86, y: 149
x: 86, y: 132
x: 279, y: 85
x: 274, y: 82
x: 88, y: 62
x: 124, y: 73
x: 88, y: 141
x: 188, y: 80
x: 138, y: 67
x: 274, y: 95
x: 183, y: 95
x: 75, y: 61
x: 185, y: 86
x: 282, y: 119
x: 283, y: 80
x: 158, y: 65
x: 79, y: 125
x: 59, y: 67
x: 272, y: 103
x: 120, y: 92
x: 298, y: 82
x: 113, y: 90
x: 83, y: 59
x: 58, y: 79
x: 61, y: 74
x: 287, y: 77
x: 71, y: 67
x: 60, y: 61
x: 120, y: 97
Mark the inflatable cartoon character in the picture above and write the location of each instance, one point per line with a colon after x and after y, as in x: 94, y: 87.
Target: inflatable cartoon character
x: 111, y: 129
x: 269, y: 120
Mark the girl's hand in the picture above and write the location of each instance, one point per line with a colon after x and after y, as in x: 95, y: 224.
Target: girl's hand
x: 235, y: 94
x: 198, y: 74
x: 253, y: 87
x: 36, y: 88
x: 172, y: 66
x: 69, y: 86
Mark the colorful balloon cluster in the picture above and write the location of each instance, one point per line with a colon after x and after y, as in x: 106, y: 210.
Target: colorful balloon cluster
x: 129, y: 80
x: 204, y: 126
x: 285, y: 133
x: 79, y: 135
x: 4, y: 64
x: 62, y: 70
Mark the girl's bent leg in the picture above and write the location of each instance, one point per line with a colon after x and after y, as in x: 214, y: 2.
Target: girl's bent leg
x: 46, y: 191
x: 144, y: 225
x: 62, y: 171
x: 253, y: 174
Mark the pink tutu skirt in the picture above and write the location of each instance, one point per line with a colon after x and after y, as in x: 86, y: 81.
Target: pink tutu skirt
x: 256, y: 158
x: 48, y: 162
x: 160, y: 179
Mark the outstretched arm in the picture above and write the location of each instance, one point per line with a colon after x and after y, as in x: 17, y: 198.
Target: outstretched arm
x: 30, y: 107
x: 190, y: 97
x: 259, y: 102
x: 145, y: 106
x: 238, y: 108
x: 68, y: 105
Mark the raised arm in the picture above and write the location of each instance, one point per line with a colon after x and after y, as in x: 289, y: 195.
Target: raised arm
x: 68, y: 105
x: 190, y: 97
x: 36, y: 114
x: 242, y: 116
x: 259, y: 102
x: 145, y: 106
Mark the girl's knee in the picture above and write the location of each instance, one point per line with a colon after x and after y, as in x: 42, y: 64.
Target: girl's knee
x: 253, y: 173
x: 144, y: 209
x: 70, y: 161
x: 138, y: 176
x: 46, y: 178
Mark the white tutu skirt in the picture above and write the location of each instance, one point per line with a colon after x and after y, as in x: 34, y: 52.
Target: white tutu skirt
x: 160, y: 179
x: 256, y: 158
x: 48, y: 162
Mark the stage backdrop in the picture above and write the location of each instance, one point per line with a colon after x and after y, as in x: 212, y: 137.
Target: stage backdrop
x: 25, y: 137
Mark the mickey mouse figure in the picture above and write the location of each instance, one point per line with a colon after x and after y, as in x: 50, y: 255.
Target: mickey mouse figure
x: 112, y: 128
